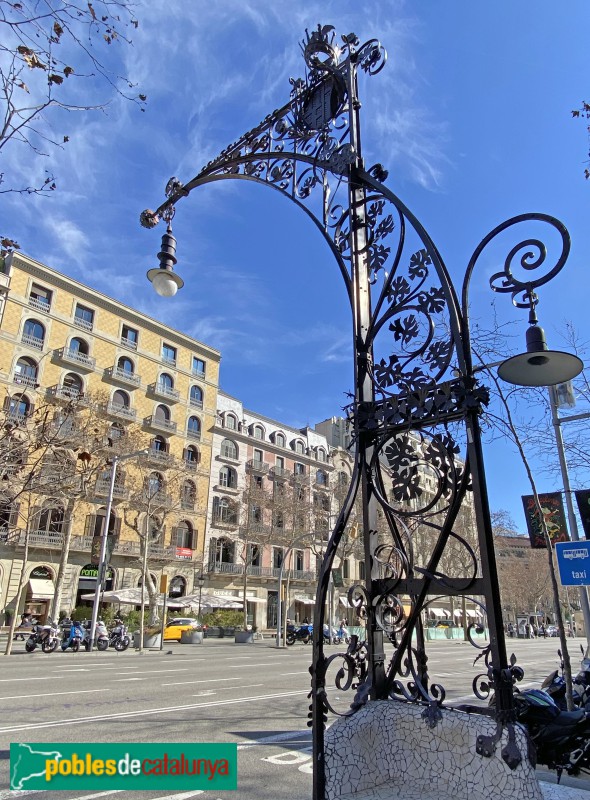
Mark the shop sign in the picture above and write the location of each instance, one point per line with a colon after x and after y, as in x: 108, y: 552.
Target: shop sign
x: 91, y: 571
x: 184, y: 552
x: 42, y: 572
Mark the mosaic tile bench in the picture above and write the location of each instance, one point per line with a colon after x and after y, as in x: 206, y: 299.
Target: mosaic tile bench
x: 387, y: 751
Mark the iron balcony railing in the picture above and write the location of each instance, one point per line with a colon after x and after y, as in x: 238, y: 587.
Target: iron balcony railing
x: 160, y: 424
x: 128, y: 343
x: 195, y: 403
x: 280, y: 472
x: 193, y: 433
x: 73, y: 356
x: 86, y: 324
x: 223, y: 567
x: 226, y: 522
x: 32, y: 341
x: 119, y: 410
x: 65, y: 392
x: 25, y: 380
x: 121, y: 375
x: 255, y: 465
x: 102, y: 489
x: 162, y: 390
x: 39, y: 305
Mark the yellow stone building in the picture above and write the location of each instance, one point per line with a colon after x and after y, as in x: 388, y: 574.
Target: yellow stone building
x: 61, y: 340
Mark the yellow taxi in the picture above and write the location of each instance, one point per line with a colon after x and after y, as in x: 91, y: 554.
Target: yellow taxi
x: 174, y: 628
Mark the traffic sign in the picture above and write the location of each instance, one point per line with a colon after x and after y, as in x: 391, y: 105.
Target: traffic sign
x: 573, y: 560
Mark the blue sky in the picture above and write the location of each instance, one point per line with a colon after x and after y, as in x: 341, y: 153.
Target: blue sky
x: 471, y: 116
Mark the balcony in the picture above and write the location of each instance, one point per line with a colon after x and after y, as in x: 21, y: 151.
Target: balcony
x: 169, y: 359
x: 32, y: 341
x: 227, y: 523
x: 119, y: 375
x: 299, y: 478
x: 220, y: 487
x: 72, y: 356
x: 158, y: 424
x: 102, y: 489
x: 280, y: 472
x: 193, y: 433
x: 39, y: 304
x: 85, y: 324
x: 25, y: 380
x: 160, y: 457
x: 67, y: 393
x: 256, y: 466
x: 198, y: 373
x: 9, y: 535
x: 157, y: 499
x: 130, y: 343
x: 186, y: 504
x: 192, y: 466
x: 194, y: 403
x: 121, y: 411
x: 158, y: 389
x: 225, y: 568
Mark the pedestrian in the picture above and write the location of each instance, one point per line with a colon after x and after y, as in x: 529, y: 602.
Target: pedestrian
x: 26, y: 623
x: 305, y: 621
x: 510, y: 630
x: 527, y: 629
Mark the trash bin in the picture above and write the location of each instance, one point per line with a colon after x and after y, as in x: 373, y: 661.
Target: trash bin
x: 191, y: 637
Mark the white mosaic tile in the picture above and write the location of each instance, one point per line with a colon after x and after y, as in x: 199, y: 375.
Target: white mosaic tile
x: 387, y: 751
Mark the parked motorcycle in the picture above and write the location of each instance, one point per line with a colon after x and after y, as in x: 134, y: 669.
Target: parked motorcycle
x: 301, y: 634
x: 101, y: 635
x: 44, y: 635
x: 554, y: 685
x: 342, y: 635
x: 119, y: 637
x: 72, y: 636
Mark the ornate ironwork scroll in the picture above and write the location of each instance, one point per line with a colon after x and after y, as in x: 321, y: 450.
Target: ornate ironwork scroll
x: 418, y: 462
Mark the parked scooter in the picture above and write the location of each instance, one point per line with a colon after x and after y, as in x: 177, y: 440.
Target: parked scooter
x: 72, y: 636
x: 554, y: 685
x: 44, y: 635
x: 101, y: 635
x: 301, y: 634
x: 342, y: 635
x: 119, y: 637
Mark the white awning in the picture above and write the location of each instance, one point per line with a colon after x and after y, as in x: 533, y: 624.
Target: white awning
x: 41, y: 588
x: 255, y: 600
x: 307, y: 601
x: 344, y: 601
x: 438, y: 612
x: 457, y: 612
x: 471, y: 613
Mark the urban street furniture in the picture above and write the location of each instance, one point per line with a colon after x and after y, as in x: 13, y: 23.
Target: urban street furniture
x: 416, y: 404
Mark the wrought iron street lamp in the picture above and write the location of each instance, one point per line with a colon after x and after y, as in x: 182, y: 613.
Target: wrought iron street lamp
x: 102, y: 565
x: 200, y: 582
x: 415, y: 391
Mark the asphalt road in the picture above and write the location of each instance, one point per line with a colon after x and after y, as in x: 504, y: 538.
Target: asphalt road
x: 254, y: 695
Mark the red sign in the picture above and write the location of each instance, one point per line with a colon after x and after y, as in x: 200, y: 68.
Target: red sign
x: 184, y: 552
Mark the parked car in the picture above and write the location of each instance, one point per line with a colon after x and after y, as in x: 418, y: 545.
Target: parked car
x: 552, y: 630
x: 174, y: 628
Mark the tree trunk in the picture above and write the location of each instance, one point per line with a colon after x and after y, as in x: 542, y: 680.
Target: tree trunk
x: 63, y: 562
x: 19, y: 591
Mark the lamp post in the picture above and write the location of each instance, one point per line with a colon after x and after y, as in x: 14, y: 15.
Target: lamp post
x: 114, y: 461
x: 416, y: 400
x: 200, y: 582
x: 293, y: 544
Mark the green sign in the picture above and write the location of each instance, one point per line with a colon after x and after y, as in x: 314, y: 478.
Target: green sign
x: 123, y: 767
x: 90, y: 571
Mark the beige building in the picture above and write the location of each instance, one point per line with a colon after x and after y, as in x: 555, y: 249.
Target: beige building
x: 61, y: 340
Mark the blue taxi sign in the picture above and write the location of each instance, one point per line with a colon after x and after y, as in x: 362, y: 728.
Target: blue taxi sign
x: 573, y: 560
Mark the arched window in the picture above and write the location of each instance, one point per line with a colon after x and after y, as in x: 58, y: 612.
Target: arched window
x: 72, y: 385
x: 228, y: 478
x: 177, y: 586
x: 222, y: 551
x: 299, y: 448
x: 321, y: 454
x: 184, y: 535
x: 194, y: 427
x: 258, y: 432
x: 51, y: 518
x: 196, y: 397
x: 18, y: 406
x: 95, y: 523
x: 231, y: 422
x: 154, y: 485
x: 224, y: 511
x: 116, y: 433
x: 166, y: 381
x: 192, y: 455
x: 120, y: 399
x: 33, y: 333
x: 188, y: 495
x: 78, y: 345
x: 162, y: 413
x: 280, y: 440
x: 229, y: 449
x: 159, y: 444
x: 126, y: 365
x: 25, y: 372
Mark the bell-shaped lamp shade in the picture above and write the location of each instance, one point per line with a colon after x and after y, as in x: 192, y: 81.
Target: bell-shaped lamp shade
x: 540, y: 366
x: 165, y: 282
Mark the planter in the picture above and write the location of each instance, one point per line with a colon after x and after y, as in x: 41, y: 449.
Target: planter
x: 191, y: 637
x: 149, y: 640
x: 244, y: 637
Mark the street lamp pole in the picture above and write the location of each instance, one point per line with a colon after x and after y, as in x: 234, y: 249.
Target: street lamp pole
x: 200, y: 581
x: 416, y: 404
x: 103, y: 542
x: 571, y: 514
x: 293, y: 544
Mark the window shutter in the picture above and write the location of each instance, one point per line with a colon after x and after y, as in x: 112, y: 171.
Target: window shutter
x: 184, y: 453
x: 192, y: 539
x: 90, y: 525
x: 6, y: 406
x: 117, y: 527
x: 212, y: 551
x: 13, y: 519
